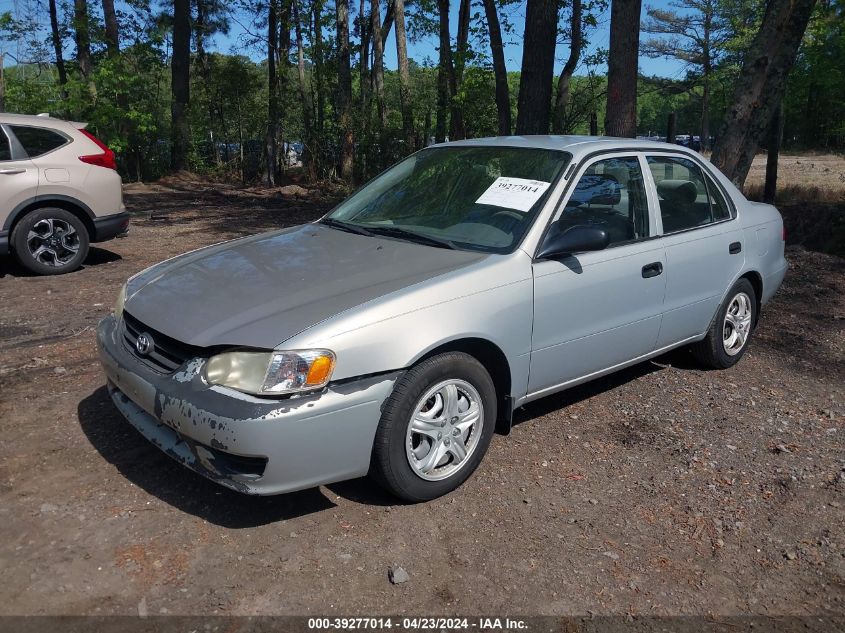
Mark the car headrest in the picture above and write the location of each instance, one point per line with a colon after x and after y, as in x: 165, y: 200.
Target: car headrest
x: 678, y: 191
x: 602, y: 189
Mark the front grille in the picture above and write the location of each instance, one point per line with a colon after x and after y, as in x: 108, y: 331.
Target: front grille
x: 167, y: 354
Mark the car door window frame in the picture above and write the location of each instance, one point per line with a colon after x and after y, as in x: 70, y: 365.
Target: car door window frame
x: 709, y: 181
x: 574, y: 175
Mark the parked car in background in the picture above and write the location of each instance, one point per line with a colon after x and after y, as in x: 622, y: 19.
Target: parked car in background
x: 395, y: 333
x: 59, y: 191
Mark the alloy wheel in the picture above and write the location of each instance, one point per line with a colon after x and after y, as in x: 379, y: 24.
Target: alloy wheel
x: 444, y: 430
x: 737, y: 325
x: 53, y: 242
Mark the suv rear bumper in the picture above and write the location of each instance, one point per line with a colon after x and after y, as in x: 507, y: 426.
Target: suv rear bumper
x: 110, y: 226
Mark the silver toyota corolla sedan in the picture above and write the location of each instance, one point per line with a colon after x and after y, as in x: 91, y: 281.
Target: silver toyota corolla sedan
x: 394, y: 335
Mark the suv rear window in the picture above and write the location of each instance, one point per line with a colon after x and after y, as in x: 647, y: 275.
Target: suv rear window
x: 38, y: 140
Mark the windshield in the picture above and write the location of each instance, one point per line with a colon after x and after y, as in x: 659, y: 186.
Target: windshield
x: 478, y: 198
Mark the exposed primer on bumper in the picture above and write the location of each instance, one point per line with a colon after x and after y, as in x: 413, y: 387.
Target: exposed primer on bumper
x: 306, y: 441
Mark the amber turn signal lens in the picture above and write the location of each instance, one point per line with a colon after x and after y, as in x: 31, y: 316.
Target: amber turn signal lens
x: 321, y: 369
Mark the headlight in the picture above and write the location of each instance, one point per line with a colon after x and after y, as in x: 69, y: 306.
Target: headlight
x: 271, y: 373
x: 118, y: 305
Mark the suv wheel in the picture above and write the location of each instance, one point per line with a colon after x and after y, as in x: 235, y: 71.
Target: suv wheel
x: 50, y: 241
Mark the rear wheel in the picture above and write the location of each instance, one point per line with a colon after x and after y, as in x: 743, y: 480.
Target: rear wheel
x: 435, y: 427
x: 729, y: 334
x: 50, y: 241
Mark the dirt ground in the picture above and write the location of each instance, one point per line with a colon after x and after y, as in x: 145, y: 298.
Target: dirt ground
x: 662, y: 490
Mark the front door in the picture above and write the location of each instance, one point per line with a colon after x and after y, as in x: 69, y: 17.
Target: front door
x: 596, y: 310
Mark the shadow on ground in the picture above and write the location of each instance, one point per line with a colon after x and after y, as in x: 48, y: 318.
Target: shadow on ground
x: 9, y: 266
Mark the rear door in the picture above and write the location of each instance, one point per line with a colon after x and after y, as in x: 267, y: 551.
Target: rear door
x: 18, y: 177
x: 596, y: 310
x: 703, y: 241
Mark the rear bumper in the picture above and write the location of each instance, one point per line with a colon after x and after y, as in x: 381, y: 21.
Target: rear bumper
x: 252, y: 445
x: 772, y: 282
x: 110, y: 226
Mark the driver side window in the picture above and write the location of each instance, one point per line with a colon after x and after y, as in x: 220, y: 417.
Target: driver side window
x: 611, y: 195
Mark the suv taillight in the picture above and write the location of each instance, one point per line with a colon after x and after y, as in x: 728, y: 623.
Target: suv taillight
x: 106, y: 159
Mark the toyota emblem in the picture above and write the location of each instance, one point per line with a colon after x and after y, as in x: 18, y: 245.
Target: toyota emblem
x: 144, y: 344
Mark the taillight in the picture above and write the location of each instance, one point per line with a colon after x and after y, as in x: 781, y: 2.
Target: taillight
x: 106, y: 159
x: 783, y: 232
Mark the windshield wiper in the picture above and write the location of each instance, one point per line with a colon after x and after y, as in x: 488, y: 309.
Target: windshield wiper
x: 345, y: 226
x: 395, y: 231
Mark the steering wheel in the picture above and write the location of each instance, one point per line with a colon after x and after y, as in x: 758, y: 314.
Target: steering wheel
x: 513, y: 215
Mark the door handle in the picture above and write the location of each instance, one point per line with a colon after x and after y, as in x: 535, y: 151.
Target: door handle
x: 735, y: 248
x: 652, y: 270
x: 13, y: 170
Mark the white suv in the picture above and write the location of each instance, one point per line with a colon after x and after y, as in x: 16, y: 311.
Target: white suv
x: 59, y: 191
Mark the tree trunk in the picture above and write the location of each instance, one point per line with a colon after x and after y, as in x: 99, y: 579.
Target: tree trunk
x: 538, y: 60
x: 670, y: 128
x: 180, y: 67
x: 562, y: 95
x: 378, y: 63
x: 282, y: 75
x: 344, y: 101
x: 111, y: 31
x: 775, y: 137
x: 57, y: 47
x: 621, y: 116
x: 364, y: 79
x: 2, y: 83
x: 388, y: 23
x: 445, y: 73
x: 760, y: 85
x: 706, y: 71
x: 205, y: 73
x: 594, y: 124
x: 304, y: 95
x: 404, y: 75
x: 500, y: 72
x: 82, y: 37
x: 318, y: 63
x: 270, y: 145
x: 462, y: 43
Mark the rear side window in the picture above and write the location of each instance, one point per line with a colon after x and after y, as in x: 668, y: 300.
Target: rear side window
x: 686, y: 197
x: 5, y: 151
x: 38, y: 140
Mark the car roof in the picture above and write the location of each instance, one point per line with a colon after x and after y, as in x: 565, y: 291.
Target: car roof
x: 40, y: 120
x: 576, y: 145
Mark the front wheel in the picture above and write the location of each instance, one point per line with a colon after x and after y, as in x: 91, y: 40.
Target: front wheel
x: 435, y: 427
x: 50, y: 241
x: 728, y: 336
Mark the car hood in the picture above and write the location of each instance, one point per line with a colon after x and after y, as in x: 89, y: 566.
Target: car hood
x: 262, y: 290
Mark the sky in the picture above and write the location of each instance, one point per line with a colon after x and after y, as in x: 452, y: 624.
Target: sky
x: 427, y: 48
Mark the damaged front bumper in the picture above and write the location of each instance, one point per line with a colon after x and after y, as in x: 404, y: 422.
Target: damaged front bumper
x: 252, y: 445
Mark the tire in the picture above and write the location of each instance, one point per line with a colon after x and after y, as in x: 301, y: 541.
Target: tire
x: 725, y: 344
x: 405, y: 461
x: 50, y: 241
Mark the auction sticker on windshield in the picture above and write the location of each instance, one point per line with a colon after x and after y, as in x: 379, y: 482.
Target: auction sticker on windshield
x: 513, y: 193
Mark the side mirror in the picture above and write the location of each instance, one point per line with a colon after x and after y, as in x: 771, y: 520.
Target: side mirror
x: 575, y: 239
